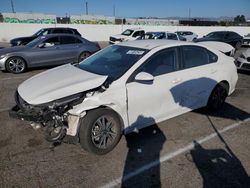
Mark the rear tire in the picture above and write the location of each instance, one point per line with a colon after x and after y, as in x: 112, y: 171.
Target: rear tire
x: 218, y: 97
x: 100, y: 131
x: 83, y: 56
x: 16, y: 65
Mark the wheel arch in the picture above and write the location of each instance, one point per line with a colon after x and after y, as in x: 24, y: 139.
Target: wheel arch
x: 109, y: 108
x: 12, y: 56
x: 224, y: 83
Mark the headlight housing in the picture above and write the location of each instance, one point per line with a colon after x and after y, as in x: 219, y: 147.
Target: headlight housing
x: 2, y: 56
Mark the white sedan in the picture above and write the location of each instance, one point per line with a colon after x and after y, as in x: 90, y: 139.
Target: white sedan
x: 190, y: 36
x: 243, y: 61
x: 122, y: 88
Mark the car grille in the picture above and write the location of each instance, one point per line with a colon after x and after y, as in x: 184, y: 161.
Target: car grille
x: 237, y: 63
x: 113, y: 39
x: 245, y: 66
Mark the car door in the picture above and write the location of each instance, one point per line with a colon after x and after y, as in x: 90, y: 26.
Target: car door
x: 153, y: 99
x: 197, y: 78
x: 46, y: 53
x: 70, y: 48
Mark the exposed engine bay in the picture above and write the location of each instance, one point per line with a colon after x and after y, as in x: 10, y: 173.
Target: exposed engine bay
x: 53, y: 116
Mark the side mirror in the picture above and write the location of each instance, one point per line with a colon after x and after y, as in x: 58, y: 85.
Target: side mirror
x: 46, y: 45
x: 144, y: 76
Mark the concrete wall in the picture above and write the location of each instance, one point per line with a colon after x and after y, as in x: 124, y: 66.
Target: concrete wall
x: 102, y: 32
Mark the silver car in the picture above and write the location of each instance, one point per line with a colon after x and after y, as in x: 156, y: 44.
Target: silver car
x: 49, y: 50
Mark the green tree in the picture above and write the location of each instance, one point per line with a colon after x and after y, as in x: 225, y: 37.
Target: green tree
x: 240, y: 19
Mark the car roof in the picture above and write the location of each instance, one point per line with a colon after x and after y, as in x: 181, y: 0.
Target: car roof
x: 150, y: 44
x: 60, y: 34
x: 59, y: 28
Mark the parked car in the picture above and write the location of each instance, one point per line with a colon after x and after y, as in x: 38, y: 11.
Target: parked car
x: 25, y: 40
x: 49, y: 50
x: 243, y: 61
x: 190, y: 36
x: 246, y: 39
x: 124, y: 87
x: 229, y: 37
x: 162, y: 35
x: 127, y: 35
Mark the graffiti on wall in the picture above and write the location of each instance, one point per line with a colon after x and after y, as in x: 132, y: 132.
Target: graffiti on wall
x: 31, y: 21
x: 77, y: 21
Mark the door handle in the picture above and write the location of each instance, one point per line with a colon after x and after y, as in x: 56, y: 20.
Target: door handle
x: 176, y: 81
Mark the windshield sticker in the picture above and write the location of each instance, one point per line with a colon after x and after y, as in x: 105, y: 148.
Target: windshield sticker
x: 135, y: 52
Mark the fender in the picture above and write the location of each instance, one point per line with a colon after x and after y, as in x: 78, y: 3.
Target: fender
x: 80, y: 111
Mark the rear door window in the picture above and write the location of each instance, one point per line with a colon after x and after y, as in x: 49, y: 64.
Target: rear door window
x: 194, y: 56
x: 69, y: 40
x: 58, y: 31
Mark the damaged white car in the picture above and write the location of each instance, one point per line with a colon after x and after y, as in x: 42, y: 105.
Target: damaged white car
x: 122, y: 88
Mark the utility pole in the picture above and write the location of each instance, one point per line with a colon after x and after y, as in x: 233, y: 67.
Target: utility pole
x: 114, y: 10
x: 87, y: 8
x: 12, y: 6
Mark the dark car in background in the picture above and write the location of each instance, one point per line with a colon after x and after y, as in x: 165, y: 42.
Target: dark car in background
x: 228, y: 37
x: 45, y: 31
x: 49, y: 50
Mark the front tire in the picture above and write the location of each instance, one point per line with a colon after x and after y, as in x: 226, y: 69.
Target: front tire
x: 217, y: 97
x: 100, y: 131
x: 16, y: 65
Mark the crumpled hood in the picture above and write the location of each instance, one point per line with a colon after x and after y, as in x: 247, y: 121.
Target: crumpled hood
x: 57, y: 83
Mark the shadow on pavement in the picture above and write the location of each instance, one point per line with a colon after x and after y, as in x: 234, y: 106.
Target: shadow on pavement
x: 143, y: 148
x: 221, y: 167
x: 227, y: 111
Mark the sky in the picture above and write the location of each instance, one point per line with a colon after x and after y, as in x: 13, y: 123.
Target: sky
x: 133, y: 8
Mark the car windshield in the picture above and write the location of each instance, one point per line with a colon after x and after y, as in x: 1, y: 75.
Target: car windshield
x: 113, y: 61
x: 215, y: 35
x: 248, y: 35
x: 127, y: 32
x: 41, y: 32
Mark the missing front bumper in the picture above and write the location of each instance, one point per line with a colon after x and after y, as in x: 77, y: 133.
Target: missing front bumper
x: 17, y: 113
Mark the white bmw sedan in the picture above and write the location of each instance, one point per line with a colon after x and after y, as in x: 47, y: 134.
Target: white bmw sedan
x: 124, y: 87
